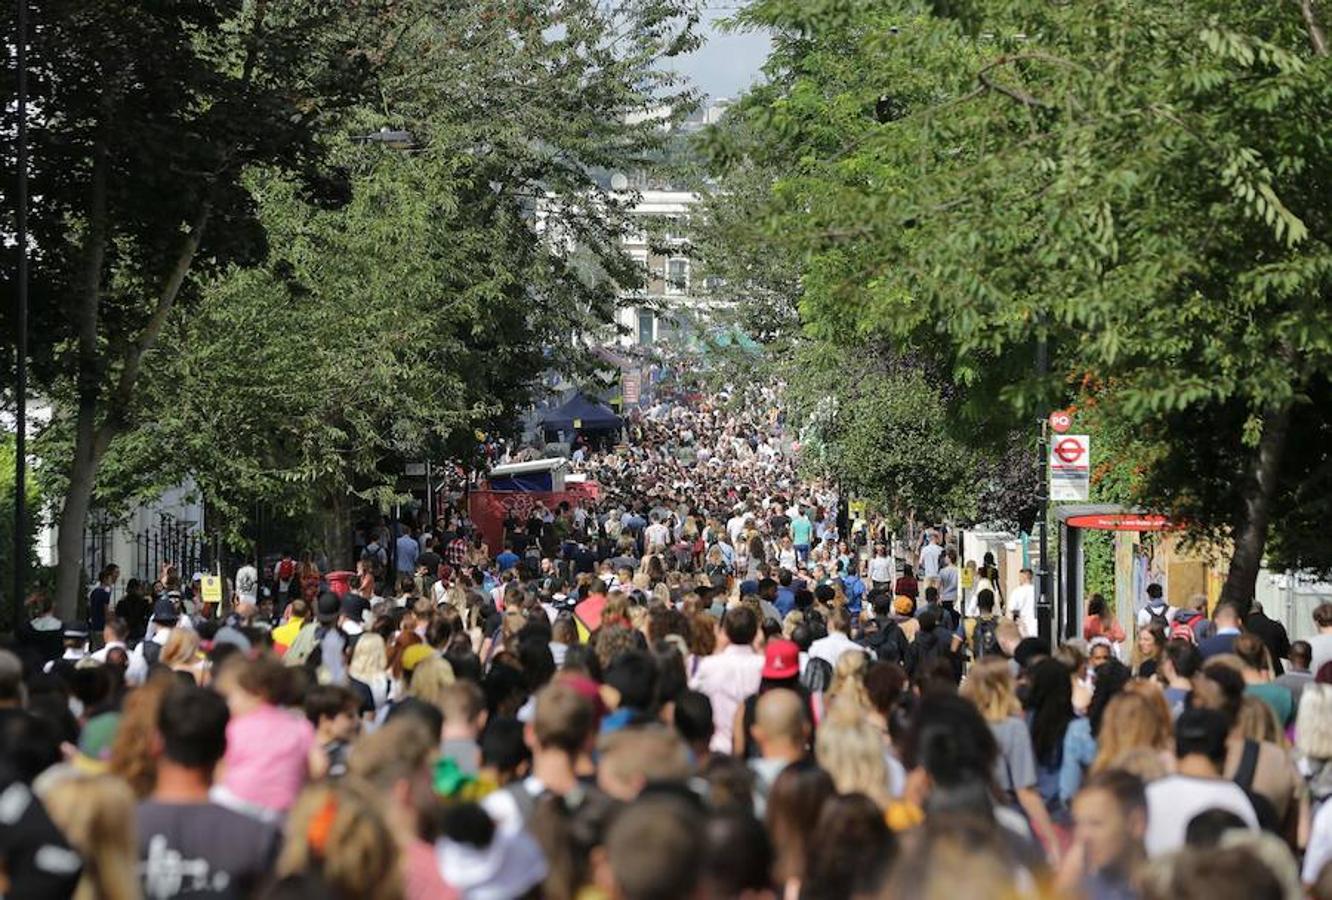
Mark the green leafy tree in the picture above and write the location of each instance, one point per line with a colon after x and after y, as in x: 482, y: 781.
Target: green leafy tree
x: 412, y: 301
x: 1137, y: 184
x: 7, y: 497
x: 150, y: 115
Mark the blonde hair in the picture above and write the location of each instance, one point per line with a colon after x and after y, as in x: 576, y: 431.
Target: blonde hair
x: 393, y: 753
x: 181, y: 649
x: 1258, y: 721
x: 1148, y: 764
x: 632, y: 757
x: 337, y: 829
x: 430, y: 678
x: 1131, y: 720
x: 96, y: 815
x: 369, y: 659
x: 1313, y: 725
x: 851, y: 750
x: 848, y: 682
x: 990, y: 688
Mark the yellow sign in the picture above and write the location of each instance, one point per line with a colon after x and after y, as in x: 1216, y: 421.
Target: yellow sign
x: 578, y: 423
x: 211, y: 589
x: 969, y: 576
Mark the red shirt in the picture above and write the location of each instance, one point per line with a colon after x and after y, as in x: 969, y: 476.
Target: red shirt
x: 1094, y: 627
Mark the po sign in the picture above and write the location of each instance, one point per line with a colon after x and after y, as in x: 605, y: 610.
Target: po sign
x: 1061, y: 421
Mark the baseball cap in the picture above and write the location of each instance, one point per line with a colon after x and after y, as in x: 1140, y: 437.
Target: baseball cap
x: 412, y: 656
x: 230, y: 634
x: 164, y: 611
x: 781, y: 659
x: 95, y: 743
x: 902, y: 605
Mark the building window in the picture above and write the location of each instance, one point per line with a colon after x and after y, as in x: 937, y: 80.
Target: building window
x: 677, y: 275
x: 645, y: 327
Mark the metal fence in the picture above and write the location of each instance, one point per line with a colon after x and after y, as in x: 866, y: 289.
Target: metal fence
x: 97, y: 546
x: 1291, y: 599
x: 182, y: 544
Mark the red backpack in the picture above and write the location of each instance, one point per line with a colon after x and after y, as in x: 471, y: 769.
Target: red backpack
x: 1181, y: 629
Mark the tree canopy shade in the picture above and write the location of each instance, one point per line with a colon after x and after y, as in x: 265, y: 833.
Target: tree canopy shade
x: 1138, y: 183
x: 188, y: 172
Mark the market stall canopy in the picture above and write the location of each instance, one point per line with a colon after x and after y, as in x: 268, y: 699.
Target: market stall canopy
x: 538, y: 475
x: 581, y: 412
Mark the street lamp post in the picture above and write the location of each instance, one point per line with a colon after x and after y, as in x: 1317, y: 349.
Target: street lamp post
x: 1044, y: 606
x: 21, y: 320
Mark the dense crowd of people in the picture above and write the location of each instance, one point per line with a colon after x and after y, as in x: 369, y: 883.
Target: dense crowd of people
x: 698, y: 687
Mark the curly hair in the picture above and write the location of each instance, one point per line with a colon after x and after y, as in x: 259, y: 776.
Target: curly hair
x: 131, y: 751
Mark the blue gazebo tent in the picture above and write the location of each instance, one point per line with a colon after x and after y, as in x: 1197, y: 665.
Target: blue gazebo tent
x: 581, y: 413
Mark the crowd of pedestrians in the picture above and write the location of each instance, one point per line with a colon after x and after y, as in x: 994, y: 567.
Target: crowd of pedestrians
x: 698, y: 688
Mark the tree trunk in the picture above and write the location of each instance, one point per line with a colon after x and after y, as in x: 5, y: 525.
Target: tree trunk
x: 1250, y: 538
x: 74, y: 513
x: 336, y: 528
x: 87, y: 383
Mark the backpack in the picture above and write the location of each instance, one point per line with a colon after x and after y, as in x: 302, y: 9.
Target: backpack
x: 890, y: 644
x: 302, y: 645
x: 314, y: 660
x: 1157, y: 616
x: 817, y: 675
x: 152, y: 652
x: 985, y: 638
x: 374, y: 559
x: 1182, y: 629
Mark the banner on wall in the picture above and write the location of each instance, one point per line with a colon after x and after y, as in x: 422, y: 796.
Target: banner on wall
x: 488, y: 509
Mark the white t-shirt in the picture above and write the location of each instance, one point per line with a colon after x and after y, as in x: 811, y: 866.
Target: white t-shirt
x: 1022, y: 606
x: 1145, y: 614
x: 831, y: 648
x: 929, y: 560
x: 656, y: 535
x: 880, y: 569
x: 1319, y: 851
x: 1321, y: 647
x: 1173, y: 801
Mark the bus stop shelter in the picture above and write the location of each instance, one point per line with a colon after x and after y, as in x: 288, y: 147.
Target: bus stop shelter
x: 1137, y: 563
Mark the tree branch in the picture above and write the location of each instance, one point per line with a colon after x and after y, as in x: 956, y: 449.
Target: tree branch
x: 1317, y: 36
x: 166, y: 300
x: 94, y: 259
x: 1017, y: 94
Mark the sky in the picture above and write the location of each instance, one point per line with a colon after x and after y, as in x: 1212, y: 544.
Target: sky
x: 728, y: 62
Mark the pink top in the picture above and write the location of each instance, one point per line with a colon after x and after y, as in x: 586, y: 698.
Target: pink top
x: 727, y: 678
x: 420, y: 874
x: 268, y: 757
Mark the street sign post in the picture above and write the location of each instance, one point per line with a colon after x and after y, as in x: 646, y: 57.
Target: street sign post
x: 210, y: 589
x: 631, y: 386
x: 1061, y: 420
x: 1070, y: 467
